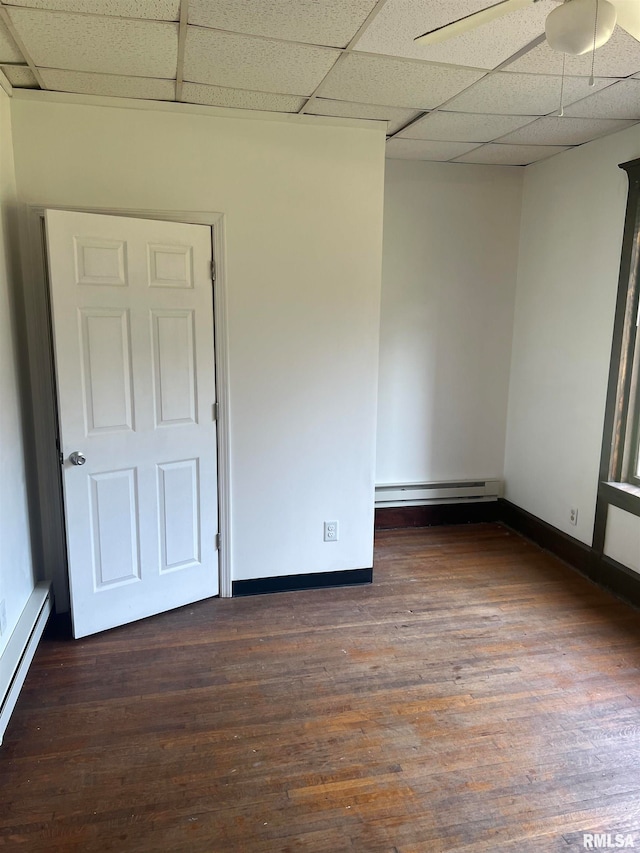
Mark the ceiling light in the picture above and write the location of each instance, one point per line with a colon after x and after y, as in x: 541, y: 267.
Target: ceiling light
x: 579, y: 26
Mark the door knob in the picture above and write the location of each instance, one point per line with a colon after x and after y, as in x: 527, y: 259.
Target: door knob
x: 77, y: 458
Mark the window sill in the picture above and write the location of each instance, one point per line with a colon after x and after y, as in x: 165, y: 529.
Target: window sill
x: 623, y: 495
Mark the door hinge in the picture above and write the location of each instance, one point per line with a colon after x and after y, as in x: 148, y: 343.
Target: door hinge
x: 213, y: 270
x: 61, y: 457
x: 218, y: 541
x: 214, y: 411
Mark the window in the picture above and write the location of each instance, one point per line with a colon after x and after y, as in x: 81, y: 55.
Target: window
x: 621, y: 444
x: 631, y: 454
x: 620, y: 460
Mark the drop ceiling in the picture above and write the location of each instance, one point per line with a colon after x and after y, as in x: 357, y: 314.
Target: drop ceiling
x: 488, y: 96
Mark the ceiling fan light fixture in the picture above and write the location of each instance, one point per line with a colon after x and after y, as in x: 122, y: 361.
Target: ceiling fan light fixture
x: 570, y: 27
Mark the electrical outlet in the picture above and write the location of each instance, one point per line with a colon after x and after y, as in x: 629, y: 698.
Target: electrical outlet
x: 3, y: 616
x: 573, y: 515
x: 331, y: 531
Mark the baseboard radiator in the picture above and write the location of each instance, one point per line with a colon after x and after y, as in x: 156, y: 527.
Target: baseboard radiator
x: 437, y: 492
x: 19, y: 651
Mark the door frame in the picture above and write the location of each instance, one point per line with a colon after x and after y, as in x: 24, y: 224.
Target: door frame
x: 50, y: 535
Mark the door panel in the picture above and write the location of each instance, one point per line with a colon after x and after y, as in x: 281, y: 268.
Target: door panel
x: 132, y: 308
x: 174, y: 374
x: 179, y: 521
x: 106, y: 369
x: 114, y: 519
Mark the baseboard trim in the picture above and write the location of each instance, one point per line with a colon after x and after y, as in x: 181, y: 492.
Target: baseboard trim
x: 618, y: 579
x: 428, y: 515
x: 59, y: 626
x: 19, y: 651
x: 291, y: 583
x: 607, y: 573
x: 571, y: 550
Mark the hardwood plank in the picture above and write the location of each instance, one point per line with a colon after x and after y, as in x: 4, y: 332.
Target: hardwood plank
x: 478, y: 696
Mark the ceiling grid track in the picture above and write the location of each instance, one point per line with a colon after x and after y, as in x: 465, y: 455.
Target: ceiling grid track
x: 182, y: 40
x: 6, y: 20
x: 467, y: 93
x: 442, y: 107
x: 360, y: 31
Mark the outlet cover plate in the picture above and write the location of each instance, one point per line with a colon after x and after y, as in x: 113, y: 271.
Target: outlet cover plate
x: 331, y: 531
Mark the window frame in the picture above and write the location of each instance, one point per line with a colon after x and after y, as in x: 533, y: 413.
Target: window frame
x: 619, y: 485
x: 631, y: 456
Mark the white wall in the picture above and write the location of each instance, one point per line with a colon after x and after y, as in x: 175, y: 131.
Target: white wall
x: 16, y: 573
x: 303, y: 208
x: 571, y: 236
x: 622, y: 540
x: 449, y: 272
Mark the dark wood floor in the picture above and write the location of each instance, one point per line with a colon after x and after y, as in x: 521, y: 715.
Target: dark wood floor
x: 479, y: 696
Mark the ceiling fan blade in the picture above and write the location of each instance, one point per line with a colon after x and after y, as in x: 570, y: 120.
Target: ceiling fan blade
x: 629, y: 16
x: 476, y: 19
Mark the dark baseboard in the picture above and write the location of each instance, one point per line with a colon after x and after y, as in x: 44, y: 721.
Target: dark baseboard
x: 291, y: 583
x: 604, y: 571
x: 607, y: 573
x: 618, y: 579
x: 571, y: 550
x: 59, y: 627
x: 388, y: 517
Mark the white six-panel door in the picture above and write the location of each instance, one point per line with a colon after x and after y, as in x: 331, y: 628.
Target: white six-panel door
x: 133, y: 329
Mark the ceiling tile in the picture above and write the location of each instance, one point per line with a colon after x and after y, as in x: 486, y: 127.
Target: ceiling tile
x: 522, y: 94
x: 396, y: 117
x: 326, y: 22
x: 418, y: 149
x: 242, y: 62
x: 157, y: 10
x: 217, y: 96
x: 109, y: 85
x: 619, y: 57
x: 20, y: 76
x: 562, y: 130
x: 463, y: 127
x: 9, y: 51
x: 397, y: 82
x: 88, y: 43
x: 396, y: 26
x: 497, y: 154
x: 622, y: 100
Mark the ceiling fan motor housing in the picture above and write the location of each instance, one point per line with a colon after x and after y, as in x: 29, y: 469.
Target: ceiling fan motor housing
x: 570, y: 27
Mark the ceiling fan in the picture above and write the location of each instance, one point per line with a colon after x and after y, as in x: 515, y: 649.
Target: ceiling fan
x: 575, y: 26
